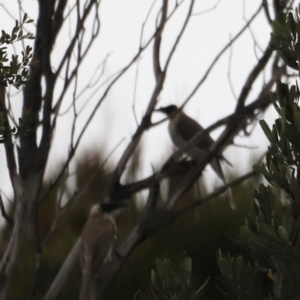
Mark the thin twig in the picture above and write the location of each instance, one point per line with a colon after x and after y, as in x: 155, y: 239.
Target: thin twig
x: 178, y: 38
x: 216, y: 59
x: 229, y: 71
x: 207, y: 10
x: 214, y: 194
x: 267, y: 12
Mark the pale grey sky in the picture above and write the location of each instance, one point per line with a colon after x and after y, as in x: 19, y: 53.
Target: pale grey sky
x: 120, y: 32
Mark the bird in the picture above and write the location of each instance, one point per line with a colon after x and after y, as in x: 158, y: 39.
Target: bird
x: 182, y: 129
x: 97, y: 240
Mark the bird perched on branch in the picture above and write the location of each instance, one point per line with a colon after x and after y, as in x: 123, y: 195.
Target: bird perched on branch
x: 97, y: 239
x: 182, y: 129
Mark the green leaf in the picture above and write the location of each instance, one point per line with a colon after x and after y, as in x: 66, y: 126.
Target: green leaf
x: 239, y: 266
x: 24, y: 17
x: 266, y: 129
x: 225, y: 268
x: 284, y: 235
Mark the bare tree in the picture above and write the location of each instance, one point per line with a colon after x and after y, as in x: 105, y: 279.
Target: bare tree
x: 44, y: 97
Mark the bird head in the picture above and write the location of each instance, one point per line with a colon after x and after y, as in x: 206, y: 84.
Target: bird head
x: 95, y: 209
x: 169, y: 110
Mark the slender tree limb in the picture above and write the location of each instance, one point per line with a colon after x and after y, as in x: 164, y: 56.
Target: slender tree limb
x: 157, y: 41
x: 9, y: 147
x: 216, y: 59
x: 58, y: 18
x: 64, y: 272
x: 178, y: 38
x: 267, y: 12
x: 208, y: 10
x: 214, y: 194
x: 79, y: 28
x: 251, y: 78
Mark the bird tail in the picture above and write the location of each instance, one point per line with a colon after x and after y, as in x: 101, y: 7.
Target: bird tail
x: 228, y: 162
x: 215, y: 164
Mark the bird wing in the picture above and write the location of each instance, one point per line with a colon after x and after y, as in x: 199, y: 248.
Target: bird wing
x: 104, y: 243
x: 188, y: 128
x: 97, y: 240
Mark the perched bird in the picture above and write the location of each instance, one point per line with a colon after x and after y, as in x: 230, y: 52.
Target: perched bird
x: 182, y: 128
x: 97, y: 239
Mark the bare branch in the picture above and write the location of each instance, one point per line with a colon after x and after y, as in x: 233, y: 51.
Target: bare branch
x: 229, y: 72
x: 207, y: 10
x: 213, y: 195
x: 267, y: 12
x: 9, y: 147
x: 251, y: 78
x: 64, y: 272
x: 219, y: 56
x: 157, y: 41
x: 172, y: 51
